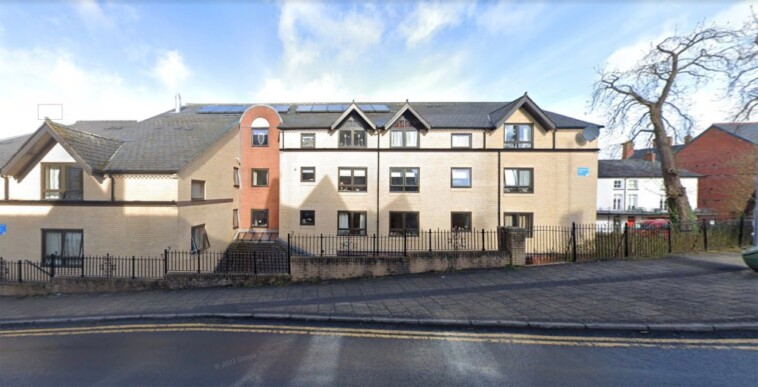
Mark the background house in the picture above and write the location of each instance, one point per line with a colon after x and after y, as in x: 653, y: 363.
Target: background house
x: 632, y: 190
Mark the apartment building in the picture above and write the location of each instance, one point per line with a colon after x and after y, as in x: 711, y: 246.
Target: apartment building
x: 360, y: 169
x: 121, y: 187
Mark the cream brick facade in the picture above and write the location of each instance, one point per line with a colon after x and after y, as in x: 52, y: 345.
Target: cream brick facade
x: 149, y: 213
x: 560, y: 196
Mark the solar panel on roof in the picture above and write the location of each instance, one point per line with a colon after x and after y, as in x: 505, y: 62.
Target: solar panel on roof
x: 319, y: 108
x: 281, y: 108
x: 304, y: 108
x: 205, y: 109
x: 381, y: 108
x: 334, y: 108
x: 367, y: 108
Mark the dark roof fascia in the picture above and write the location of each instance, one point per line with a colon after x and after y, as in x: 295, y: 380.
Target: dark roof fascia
x: 532, y: 108
x: 353, y: 108
x: 407, y: 108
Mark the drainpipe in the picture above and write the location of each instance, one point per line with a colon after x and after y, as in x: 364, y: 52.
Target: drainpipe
x: 499, y: 188
x: 755, y: 201
x: 113, y: 188
x: 378, y: 172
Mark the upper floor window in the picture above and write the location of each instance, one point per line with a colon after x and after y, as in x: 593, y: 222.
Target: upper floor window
x: 235, y: 219
x: 260, y: 177
x: 404, y: 179
x: 260, y: 136
x: 403, y: 134
x: 519, y: 180
x: 308, y: 174
x: 618, y: 184
x: 460, y: 140
x: 631, y: 184
x: 519, y: 136
x: 352, y: 134
x: 460, y: 177
x: 198, y: 190
x: 352, y: 179
x: 618, y: 202
x: 236, y: 177
x: 308, y: 140
x: 259, y: 218
x: 631, y: 202
x: 62, y: 181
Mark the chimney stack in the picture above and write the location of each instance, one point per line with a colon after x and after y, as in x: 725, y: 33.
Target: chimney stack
x: 628, y: 150
x: 178, y: 107
x: 687, y: 139
x: 650, y: 156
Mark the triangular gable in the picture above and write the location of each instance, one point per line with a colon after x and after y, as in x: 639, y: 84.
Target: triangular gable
x: 524, y: 102
x: 353, y: 108
x: 407, y: 108
x: 91, y: 152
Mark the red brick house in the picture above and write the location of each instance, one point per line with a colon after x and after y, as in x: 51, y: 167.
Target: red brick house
x: 725, y: 154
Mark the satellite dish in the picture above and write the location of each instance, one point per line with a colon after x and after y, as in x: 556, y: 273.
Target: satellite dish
x: 590, y: 133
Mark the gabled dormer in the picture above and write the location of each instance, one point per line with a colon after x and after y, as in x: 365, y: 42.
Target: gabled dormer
x: 352, y: 126
x: 405, y: 127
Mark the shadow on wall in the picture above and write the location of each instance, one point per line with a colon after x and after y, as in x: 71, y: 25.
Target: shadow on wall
x: 321, y: 199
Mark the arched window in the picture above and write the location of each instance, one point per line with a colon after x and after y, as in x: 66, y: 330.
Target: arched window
x: 260, y: 132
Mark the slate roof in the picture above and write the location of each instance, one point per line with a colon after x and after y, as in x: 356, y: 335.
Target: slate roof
x: 634, y: 168
x: 639, y: 154
x: 96, y: 151
x: 747, y: 131
x: 457, y: 115
x: 9, y: 146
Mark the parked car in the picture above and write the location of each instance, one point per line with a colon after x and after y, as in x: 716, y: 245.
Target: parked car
x: 652, y: 227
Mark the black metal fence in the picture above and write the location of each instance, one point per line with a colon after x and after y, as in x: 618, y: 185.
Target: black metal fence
x: 397, y: 244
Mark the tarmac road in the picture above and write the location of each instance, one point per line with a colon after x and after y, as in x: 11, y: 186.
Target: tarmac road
x: 223, y: 353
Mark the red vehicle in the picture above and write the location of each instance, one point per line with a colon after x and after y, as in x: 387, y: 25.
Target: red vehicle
x: 652, y: 227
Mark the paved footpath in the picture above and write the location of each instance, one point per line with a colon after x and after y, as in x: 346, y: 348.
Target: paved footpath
x: 708, y: 288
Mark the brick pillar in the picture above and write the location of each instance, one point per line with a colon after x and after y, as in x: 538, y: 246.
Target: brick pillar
x: 515, y: 239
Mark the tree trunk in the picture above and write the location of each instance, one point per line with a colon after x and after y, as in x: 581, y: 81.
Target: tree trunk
x: 676, y: 196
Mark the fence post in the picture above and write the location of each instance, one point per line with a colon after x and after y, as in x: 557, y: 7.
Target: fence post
x: 669, y: 237
x: 198, y: 261
x: 626, y: 240
x: 165, y: 262
x: 573, y: 241
x: 20, y: 271
x: 483, y: 240
x: 133, y: 262
x: 430, y: 240
x: 322, y: 244
x: 742, y: 230
x: 375, y: 247
x: 289, y: 255
x: 255, y: 262
x: 84, y: 259
x: 52, y: 266
x: 705, y: 235
x: 405, y: 243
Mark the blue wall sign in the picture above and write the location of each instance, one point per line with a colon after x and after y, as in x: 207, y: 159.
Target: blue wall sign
x: 582, y: 171
x: 3, y: 229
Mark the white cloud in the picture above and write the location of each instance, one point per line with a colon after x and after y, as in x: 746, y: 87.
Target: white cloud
x: 328, y: 87
x: 107, y: 15
x: 432, y: 17
x: 510, y: 17
x: 170, y: 69
x: 32, y: 77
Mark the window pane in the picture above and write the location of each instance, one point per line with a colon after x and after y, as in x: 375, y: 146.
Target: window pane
x: 198, y: 190
x: 359, y: 138
x: 53, y: 243
x: 260, y: 218
x: 511, y: 177
x: 461, y: 141
x: 359, y: 173
x: 411, y: 221
x: 510, y: 133
x: 346, y: 138
x: 411, y: 177
x: 396, y: 138
x: 362, y: 221
x: 307, y: 218
x: 461, y: 177
x: 396, y: 220
x: 73, y: 245
x: 396, y: 177
x: 308, y: 140
x: 260, y: 137
x: 411, y: 138
x: 525, y: 178
x: 53, y: 177
x: 308, y: 174
x: 461, y: 221
x: 508, y: 221
x: 525, y: 133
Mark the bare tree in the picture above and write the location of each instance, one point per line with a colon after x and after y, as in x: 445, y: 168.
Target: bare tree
x: 744, y: 77
x: 653, y: 95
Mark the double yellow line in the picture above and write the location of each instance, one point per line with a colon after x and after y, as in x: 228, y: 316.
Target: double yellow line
x: 744, y: 344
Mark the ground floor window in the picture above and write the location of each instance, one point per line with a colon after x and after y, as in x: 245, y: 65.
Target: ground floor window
x: 460, y: 221
x: 62, y: 247
x: 199, y: 239
x: 351, y: 223
x: 259, y: 218
x: 404, y: 223
x: 307, y: 218
x: 520, y: 219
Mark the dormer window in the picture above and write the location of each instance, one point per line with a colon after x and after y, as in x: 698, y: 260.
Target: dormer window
x: 403, y: 134
x: 62, y: 182
x: 352, y: 134
x: 519, y: 136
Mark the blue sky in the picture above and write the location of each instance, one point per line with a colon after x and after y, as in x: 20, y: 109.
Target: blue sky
x: 126, y: 60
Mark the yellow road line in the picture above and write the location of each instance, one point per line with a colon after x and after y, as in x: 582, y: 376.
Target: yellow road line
x: 746, y: 344
x: 510, y: 336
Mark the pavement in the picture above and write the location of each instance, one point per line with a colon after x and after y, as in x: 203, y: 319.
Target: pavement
x: 696, y: 292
